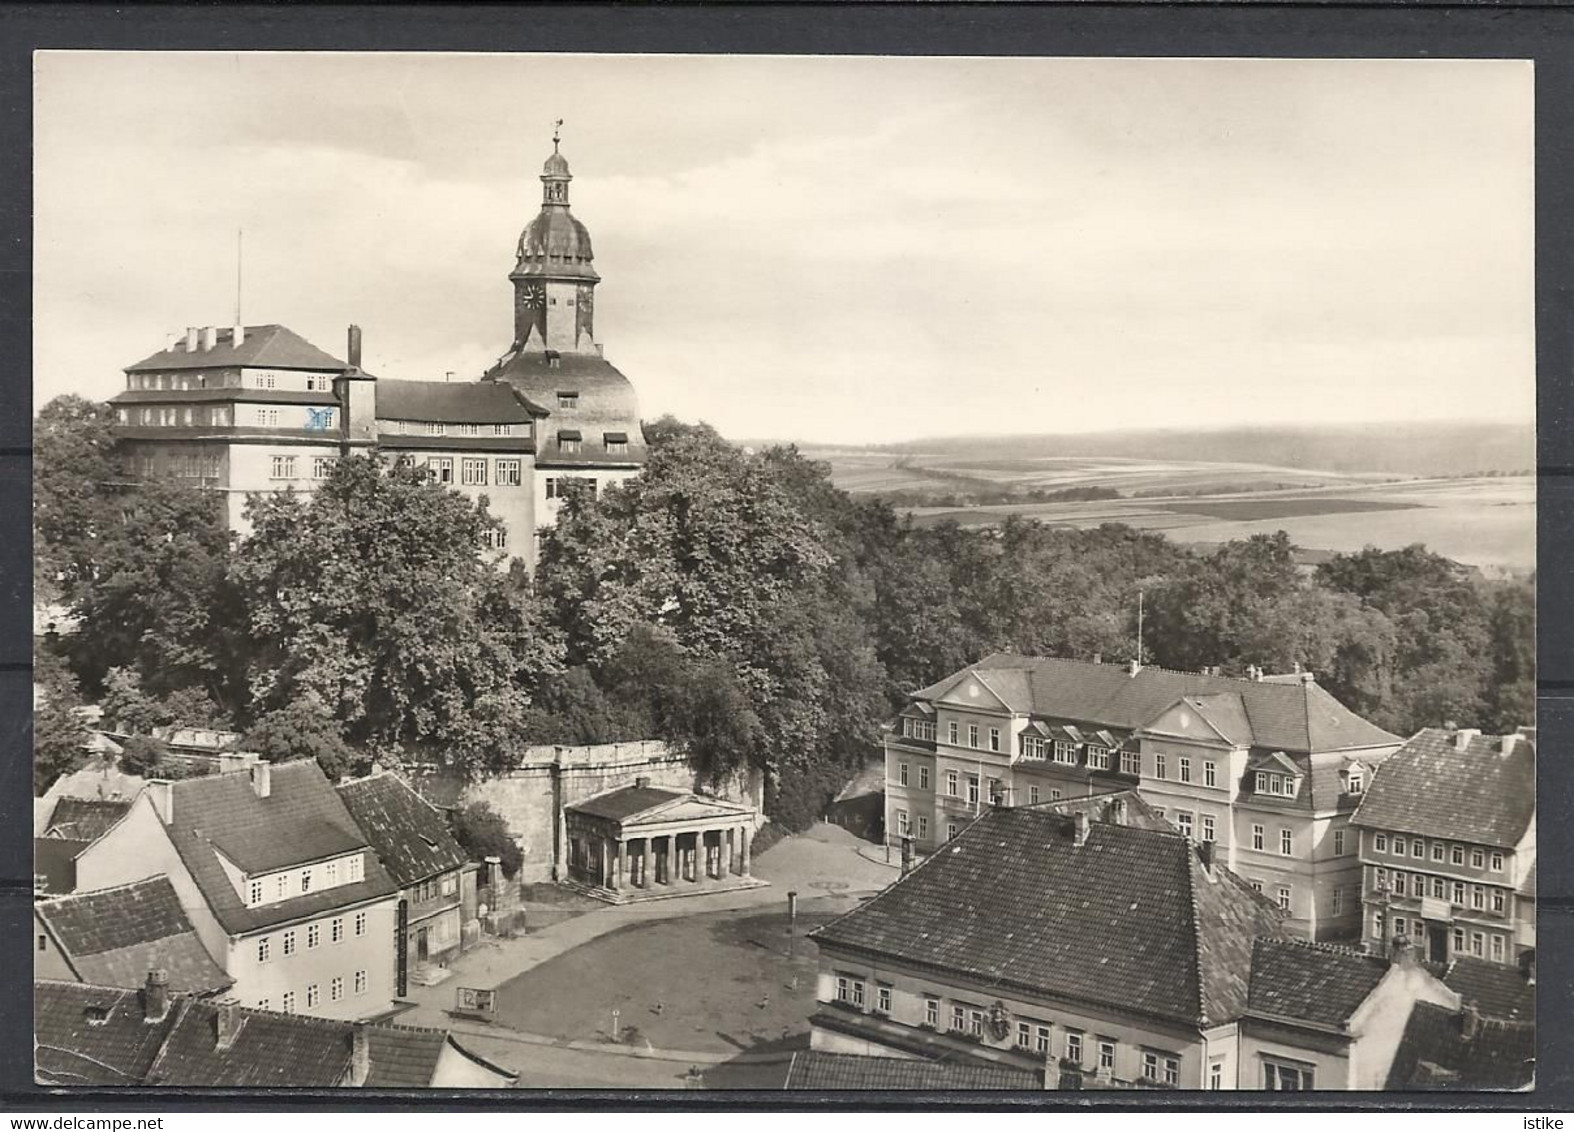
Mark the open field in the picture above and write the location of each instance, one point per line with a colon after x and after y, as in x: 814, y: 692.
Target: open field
x: 1487, y: 521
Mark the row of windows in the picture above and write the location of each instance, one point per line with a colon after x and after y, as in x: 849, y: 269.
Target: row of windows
x: 905, y: 825
x: 1277, y: 785
x: 255, y: 379
x: 1286, y: 840
x: 1452, y: 852
x: 1455, y: 892
x: 288, y: 939
x: 559, y: 487
x: 569, y: 442
x: 1029, y: 1034
x: 1183, y: 769
x: 170, y: 415
x: 1482, y: 945
x: 437, y: 428
x: 438, y: 886
x: 1284, y: 895
x: 288, y: 467
x: 184, y: 465
x: 299, y: 882
x: 314, y: 994
x: 919, y: 729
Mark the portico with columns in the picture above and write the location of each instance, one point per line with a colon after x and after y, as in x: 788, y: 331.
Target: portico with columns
x: 646, y: 842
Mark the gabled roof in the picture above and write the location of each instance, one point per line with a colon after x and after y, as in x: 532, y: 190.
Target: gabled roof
x: 301, y: 821
x: 1226, y: 714
x: 87, y: 1035
x: 1013, y: 900
x: 815, y: 1069
x: 409, y: 834
x: 1311, y: 982
x: 1436, y: 1053
x: 115, y: 936
x: 1430, y: 787
x: 1295, y: 716
x: 101, y: 779
x: 450, y: 402
x: 1495, y: 989
x: 85, y: 819
x: 271, y: 346
x: 635, y: 805
x: 1276, y: 762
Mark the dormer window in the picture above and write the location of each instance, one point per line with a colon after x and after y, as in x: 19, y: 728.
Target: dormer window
x: 1354, y: 781
x: 1277, y: 785
x: 567, y: 399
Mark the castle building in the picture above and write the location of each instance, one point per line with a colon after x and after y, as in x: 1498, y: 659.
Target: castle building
x: 248, y: 409
x: 1268, y: 768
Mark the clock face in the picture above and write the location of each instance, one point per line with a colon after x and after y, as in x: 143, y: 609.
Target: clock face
x: 532, y: 298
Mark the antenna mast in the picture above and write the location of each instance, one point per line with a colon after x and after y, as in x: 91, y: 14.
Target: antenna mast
x: 1139, y: 628
x: 239, y: 235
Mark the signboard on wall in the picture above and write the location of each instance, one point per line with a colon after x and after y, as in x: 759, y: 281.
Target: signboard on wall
x: 475, y: 1002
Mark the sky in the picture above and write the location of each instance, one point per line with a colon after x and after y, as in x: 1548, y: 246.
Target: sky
x: 838, y: 250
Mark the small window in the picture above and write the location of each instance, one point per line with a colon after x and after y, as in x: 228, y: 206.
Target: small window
x: 282, y: 468
x: 923, y: 778
x: 1024, y: 1032
x: 336, y: 988
x: 1399, y: 846
x: 1207, y: 827
x: 473, y: 472
x: 289, y: 943
x: 1210, y: 774
x: 360, y: 923
x: 1478, y: 858
x: 882, y: 999
x: 1184, y: 765
x: 568, y: 399
x: 313, y: 936
x: 1107, y: 1055
x: 931, y: 1011
x: 1286, y: 843
x: 901, y: 773
x: 1338, y: 843
x: 972, y: 735
x: 336, y: 930
x: 1497, y: 949
x: 972, y: 790
x: 1497, y: 862
x: 1284, y: 898
x: 1257, y: 837
x: 1073, y: 1047
x: 255, y: 892
x: 322, y: 467
x: 312, y: 995
x: 1131, y: 762
x: 951, y: 783
x: 1457, y: 854
x: 1437, y: 851
x: 994, y: 738
x: 306, y: 880
x: 1158, y: 766
x: 507, y: 473
x: 1032, y: 795
x: 360, y: 982
x: 1499, y: 902
x: 951, y: 732
x: 287, y: 1004
x: 1380, y: 842
x: 1418, y: 848
x: 1183, y: 822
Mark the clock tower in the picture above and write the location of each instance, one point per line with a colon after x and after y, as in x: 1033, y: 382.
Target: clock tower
x: 554, y: 280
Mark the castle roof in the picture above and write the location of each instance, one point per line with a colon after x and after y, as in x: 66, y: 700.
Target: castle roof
x: 269, y: 346
x: 1463, y: 786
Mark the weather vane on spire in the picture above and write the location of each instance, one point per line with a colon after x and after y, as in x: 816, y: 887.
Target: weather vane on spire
x: 557, y: 130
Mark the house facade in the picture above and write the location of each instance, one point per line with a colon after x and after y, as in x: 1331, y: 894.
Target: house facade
x: 244, y: 409
x: 434, y: 875
x: 1448, y: 846
x: 982, y: 955
x: 278, y: 882
x: 1267, y: 768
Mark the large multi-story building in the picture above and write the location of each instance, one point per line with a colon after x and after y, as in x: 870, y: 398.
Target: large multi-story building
x: 279, y: 883
x: 1268, y: 768
x: 1448, y: 846
x: 1113, y: 954
x: 248, y: 409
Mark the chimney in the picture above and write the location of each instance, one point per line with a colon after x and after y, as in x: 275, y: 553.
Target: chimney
x: 210, y: 337
x: 448, y: 375
x: 1526, y: 733
x: 262, y: 779
x: 1133, y: 668
x: 162, y: 795
x: 1205, y: 855
x: 1115, y: 812
x: 1297, y: 668
x: 1308, y: 677
x: 1098, y: 658
x: 1401, y: 953
x: 1469, y: 1022
x: 238, y: 336
x: 1527, y: 967
x: 226, y: 1024
x: 155, y: 996
x: 353, y: 348
x: 169, y: 342
x: 1506, y: 745
x: 191, y: 339
x: 907, y: 853
x: 1079, y: 828
x: 1463, y: 736
x: 360, y: 1056
x: 642, y: 781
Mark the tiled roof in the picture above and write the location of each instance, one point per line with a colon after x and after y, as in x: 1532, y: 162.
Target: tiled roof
x: 101, y: 780
x: 117, y: 1046
x: 1012, y: 899
x: 87, y: 1035
x: 1527, y: 887
x: 1496, y: 990
x: 814, y: 1069
x: 408, y: 833
x: 1477, y: 795
x: 1133, y: 810
x: 272, y: 346
x: 606, y: 404
x: 1434, y: 1053
x: 449, y: 402
x: 625, y: 802
x: 301, y: 821
x: 114, y: 936
x: 1226, y: 714
x: 1311, y: 982
x: 1295, y: 716
x: 85, y: 819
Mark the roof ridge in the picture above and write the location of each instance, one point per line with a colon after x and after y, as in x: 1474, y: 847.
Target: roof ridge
x: 1318, y: 945
x: 55, y: 901
x: 1192, y: 866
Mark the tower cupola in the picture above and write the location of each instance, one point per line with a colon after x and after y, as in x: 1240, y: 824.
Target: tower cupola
x: 554, y: 275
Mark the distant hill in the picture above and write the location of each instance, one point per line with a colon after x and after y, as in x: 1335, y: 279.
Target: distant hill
x: 1414, y: 449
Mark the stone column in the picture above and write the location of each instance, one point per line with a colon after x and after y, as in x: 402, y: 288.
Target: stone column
x: 668, y: 858
x: 744, y: 832
x: 645, y: 873
x: 731, y: 847
x: 604, y: 873
x: 618, y: 865
x: 699, y: 856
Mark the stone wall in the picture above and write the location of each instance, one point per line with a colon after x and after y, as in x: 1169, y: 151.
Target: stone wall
x: 531, y: 797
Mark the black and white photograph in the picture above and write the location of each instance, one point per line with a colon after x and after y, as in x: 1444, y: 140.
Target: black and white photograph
x: 783, y: 573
